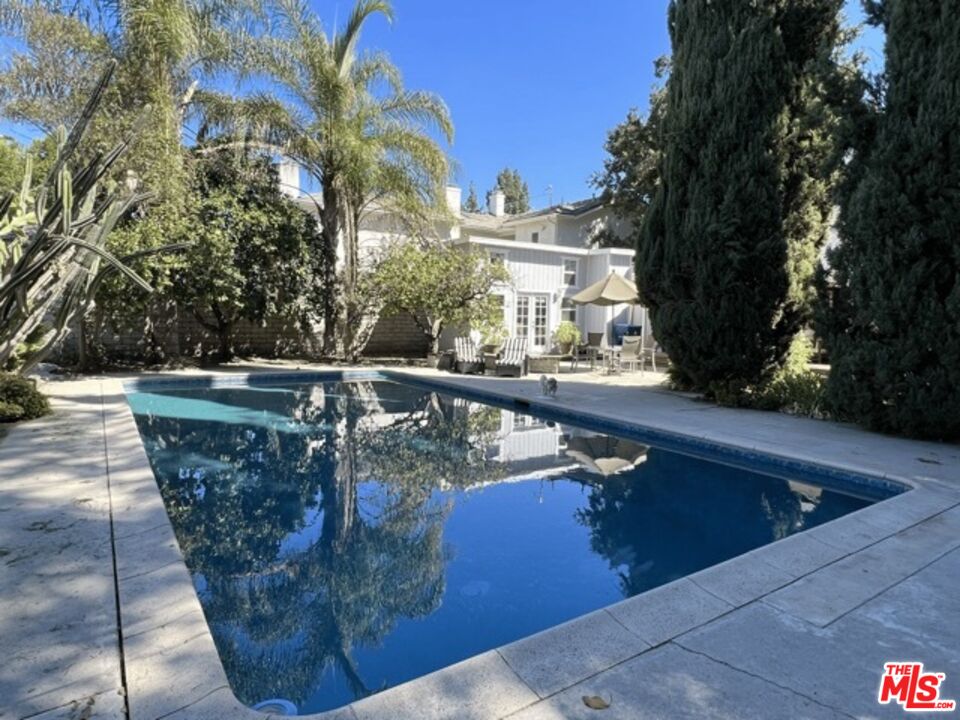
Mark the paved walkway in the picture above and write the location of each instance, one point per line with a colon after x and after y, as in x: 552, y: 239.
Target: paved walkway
x: 813, y: 652
x: 58, y: 612
x: 803, y: 633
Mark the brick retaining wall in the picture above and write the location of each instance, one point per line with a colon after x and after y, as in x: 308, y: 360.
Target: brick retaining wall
x: 182, y: 336
x: 397, y: 336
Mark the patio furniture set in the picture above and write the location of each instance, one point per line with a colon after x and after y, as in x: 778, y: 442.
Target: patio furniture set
x: 512, y: 359
x: 628, y: 350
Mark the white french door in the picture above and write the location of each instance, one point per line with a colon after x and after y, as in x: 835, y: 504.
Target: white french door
x: 532, y: 320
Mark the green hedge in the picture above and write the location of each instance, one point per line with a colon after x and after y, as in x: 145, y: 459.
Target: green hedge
x: 20, y: 399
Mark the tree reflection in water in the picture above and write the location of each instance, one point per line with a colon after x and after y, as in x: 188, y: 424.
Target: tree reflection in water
x: 675, y: 514
x: 367, y: 467
x: 317, y: 523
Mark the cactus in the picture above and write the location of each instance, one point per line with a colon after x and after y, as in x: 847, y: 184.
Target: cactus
x: 53, y: 243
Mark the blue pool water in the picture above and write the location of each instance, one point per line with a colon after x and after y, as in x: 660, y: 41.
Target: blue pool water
x: 344, y: 537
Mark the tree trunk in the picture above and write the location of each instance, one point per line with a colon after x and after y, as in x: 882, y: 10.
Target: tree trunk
x: 222, y: 327
x: 152, y: 346
x: 351, y: 241
x: 329, y: 233
x: 224, y: 335
x: 436, y: 327
x: 339, y: 487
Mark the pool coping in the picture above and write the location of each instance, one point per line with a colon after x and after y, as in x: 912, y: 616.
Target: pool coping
x: 173, y: 670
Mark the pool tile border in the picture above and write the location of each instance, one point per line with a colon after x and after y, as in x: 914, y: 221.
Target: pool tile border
x: 877, y: 487
x: 173, y: 669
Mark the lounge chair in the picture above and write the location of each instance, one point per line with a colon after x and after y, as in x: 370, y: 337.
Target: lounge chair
x: 513, y: 358
x: 469, y: 360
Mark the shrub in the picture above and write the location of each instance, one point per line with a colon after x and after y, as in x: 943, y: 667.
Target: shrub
x: 20, y: 399
x: 10, y: 412
x: 493, y: 331
x: 566, y: 334
x: 795, y: 393
x: 799, y: 355
x: 794, y: 389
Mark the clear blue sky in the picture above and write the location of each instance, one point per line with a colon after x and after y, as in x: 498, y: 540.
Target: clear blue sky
x: 533, y: 84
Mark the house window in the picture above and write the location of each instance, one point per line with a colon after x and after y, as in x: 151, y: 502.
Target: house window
x: 540, y: 321
x: 532, y: 315
x: 570, y: 271
x: 568, y: 311
x: 526, y: 422
x: 535, y: 237
x: 523, y: 316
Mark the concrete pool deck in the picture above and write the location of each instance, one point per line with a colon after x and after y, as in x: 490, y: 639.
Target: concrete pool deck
x: 799, y: 628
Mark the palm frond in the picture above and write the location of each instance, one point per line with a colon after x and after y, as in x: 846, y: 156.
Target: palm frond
x: 259, y: 118
x: 345, y: 43
x: 419, y: 108
x: 373, y: 68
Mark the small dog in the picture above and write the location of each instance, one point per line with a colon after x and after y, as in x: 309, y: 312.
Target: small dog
x: 548, y: 386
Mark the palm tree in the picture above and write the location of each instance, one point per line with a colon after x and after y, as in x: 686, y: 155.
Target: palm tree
x: 350, y: 124
x: 162, y: 49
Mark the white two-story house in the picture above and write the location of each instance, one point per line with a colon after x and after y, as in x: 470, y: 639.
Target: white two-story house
x: 551, y: 255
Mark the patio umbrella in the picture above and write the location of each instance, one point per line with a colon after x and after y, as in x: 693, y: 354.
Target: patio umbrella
x: 605, y: 454
x: 614, y: 289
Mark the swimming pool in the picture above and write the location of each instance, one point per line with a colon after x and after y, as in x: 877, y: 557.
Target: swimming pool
x: 344, y: 537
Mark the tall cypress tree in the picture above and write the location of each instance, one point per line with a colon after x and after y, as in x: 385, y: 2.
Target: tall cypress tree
x: 727, y: 252
x: 891, y: 319
x: 516, y: 191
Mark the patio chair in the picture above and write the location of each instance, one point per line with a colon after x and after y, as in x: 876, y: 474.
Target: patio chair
x: 468, y: 358
x: 589, y: 350
x: 630, y: 352
x: 513, y: 358
x: 648, y: 352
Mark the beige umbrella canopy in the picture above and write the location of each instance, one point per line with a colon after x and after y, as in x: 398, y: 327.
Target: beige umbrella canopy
x: 614, y: 289
x: 605, y: 454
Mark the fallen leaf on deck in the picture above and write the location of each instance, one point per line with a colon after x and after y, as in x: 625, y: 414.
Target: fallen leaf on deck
x: 595, y: 702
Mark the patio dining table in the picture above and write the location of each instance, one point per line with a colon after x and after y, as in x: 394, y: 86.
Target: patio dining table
x: 610, y: 362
